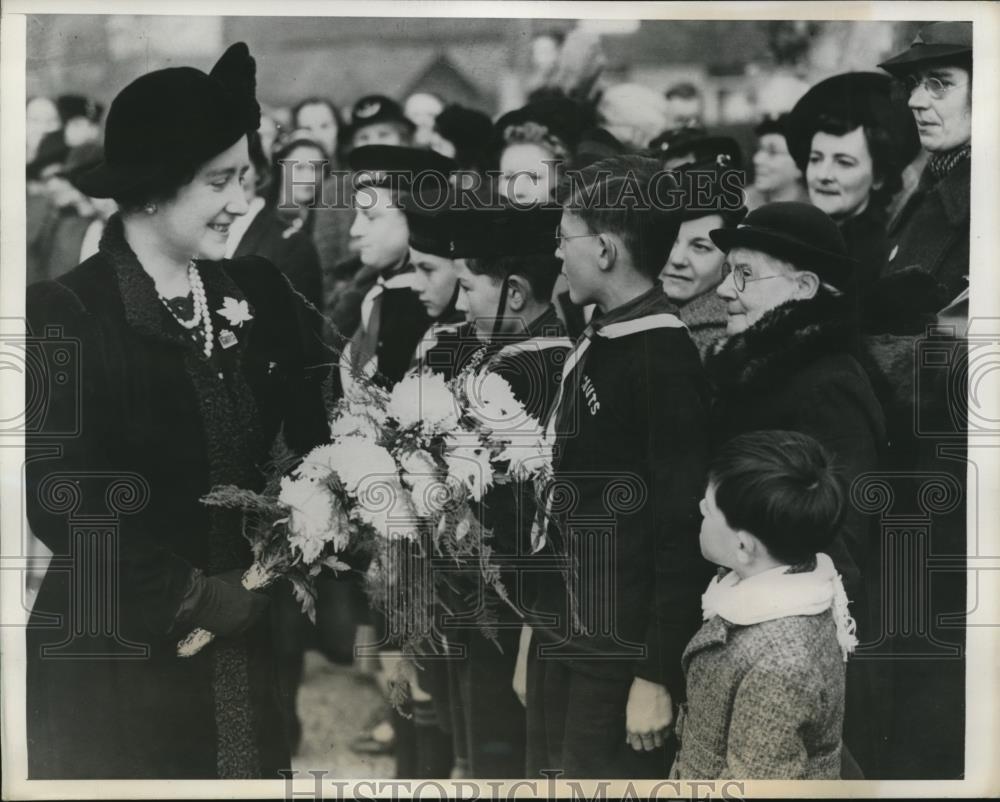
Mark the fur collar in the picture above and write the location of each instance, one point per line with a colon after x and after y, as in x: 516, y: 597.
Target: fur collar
x: 787, y: 338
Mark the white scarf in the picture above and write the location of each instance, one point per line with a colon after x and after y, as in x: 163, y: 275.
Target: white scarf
x: 776, y: 594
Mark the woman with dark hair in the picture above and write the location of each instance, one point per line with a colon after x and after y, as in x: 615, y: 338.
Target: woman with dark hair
x: 694, y: 267
x: 189, y: 365
x: 853, y: 142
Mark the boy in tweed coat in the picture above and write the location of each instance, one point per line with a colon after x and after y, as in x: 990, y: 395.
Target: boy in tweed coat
x: 765, y: 673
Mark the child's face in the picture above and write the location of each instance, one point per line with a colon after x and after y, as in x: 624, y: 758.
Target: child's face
x: 434, y: 281
x: 718, y: 541
x: 579, y: 248
x: 379, y: 232
x: 478, y: 297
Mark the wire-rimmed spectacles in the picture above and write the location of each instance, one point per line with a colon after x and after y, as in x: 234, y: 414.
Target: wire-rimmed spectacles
x: 935, y: 87
x: 560, y: 236
x: 740, y: 279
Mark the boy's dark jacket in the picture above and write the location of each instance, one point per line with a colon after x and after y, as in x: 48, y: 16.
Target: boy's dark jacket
x: 631, y: 458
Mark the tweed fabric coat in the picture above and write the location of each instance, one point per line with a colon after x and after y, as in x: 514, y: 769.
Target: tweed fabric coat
x: 151, y: 408
x: 931, y: 232
x: 705, y: 317
x: 765, y: 701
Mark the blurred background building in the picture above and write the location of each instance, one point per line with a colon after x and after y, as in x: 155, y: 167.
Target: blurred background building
x: 743, y: 69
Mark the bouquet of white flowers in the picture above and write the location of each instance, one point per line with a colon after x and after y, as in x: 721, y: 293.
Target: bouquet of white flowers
x: 396, y: 484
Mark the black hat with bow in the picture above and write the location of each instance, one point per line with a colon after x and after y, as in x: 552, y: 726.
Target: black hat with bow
x: 173, y: 120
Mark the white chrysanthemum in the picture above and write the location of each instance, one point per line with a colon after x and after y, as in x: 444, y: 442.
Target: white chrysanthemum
x: 424, y: 399
x: 491, y: 401
x: 355, y: 459
x: 313, y: 521
x: 471, y: 467
x: 318, y: 464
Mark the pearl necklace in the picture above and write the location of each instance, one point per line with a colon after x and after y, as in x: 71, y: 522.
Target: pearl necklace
x: 201, y: 314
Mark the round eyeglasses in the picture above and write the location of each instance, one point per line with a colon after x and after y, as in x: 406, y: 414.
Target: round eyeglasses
x: 935, y: 87
x: 740, y: 279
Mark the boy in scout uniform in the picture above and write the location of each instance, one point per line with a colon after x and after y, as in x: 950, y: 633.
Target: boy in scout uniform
x: 631, y: 441
x: 506, y: 271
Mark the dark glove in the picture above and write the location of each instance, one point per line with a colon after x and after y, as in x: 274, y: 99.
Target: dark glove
x: 221, y: 604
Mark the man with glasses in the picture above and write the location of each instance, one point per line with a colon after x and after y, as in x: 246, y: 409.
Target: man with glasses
x: 931, y: 232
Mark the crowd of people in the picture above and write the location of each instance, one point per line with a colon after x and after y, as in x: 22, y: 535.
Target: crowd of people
x: 714, y: 374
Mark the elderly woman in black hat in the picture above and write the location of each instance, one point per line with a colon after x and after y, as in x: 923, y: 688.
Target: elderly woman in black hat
x: 792, y: 360
x: 853, y: 141
x: 189, y: 365
x: 789, y: 357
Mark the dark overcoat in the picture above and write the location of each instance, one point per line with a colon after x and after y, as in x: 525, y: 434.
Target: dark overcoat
x: 797, y: 369
x: 931, y: 232
x: 137, y: 426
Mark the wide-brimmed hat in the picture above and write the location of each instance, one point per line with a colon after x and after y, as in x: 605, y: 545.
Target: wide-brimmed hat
x: 798, y: 233
x: 856, y: 98
x: 374, y: 109
x: 174, y: 119
x: 934, y: 43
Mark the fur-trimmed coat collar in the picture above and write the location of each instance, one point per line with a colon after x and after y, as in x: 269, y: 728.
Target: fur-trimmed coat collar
x: 787, y: 338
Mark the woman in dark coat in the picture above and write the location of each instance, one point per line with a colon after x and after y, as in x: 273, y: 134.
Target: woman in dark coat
x: 793, y: 360
x: 186, y: 368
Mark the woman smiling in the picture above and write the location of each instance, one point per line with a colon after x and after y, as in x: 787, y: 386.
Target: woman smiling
x: 852, y: 141
x: 190, y: 365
